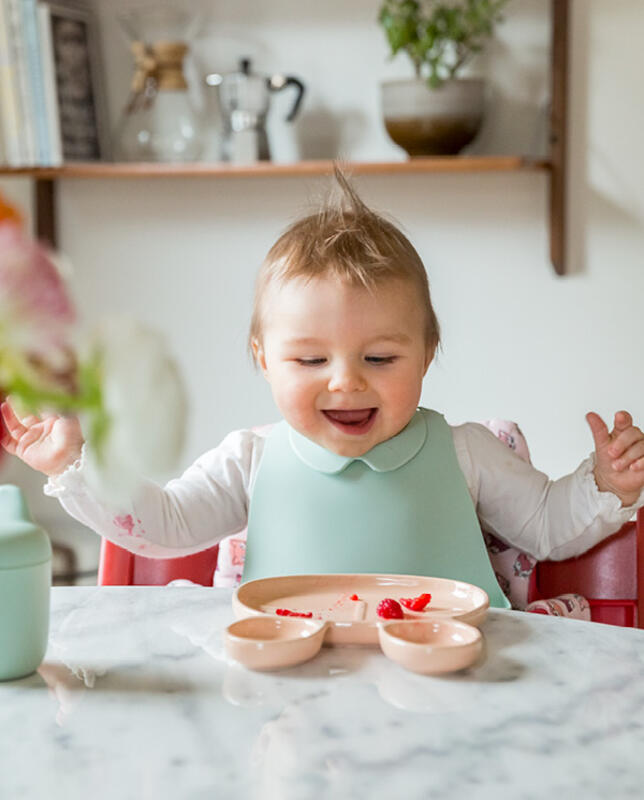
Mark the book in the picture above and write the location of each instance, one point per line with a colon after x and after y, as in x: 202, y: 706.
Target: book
x: 68, y: 37
x: 8, y: 85
x: 18, y: 54
x: 34, y: 67
x: 49, y: 84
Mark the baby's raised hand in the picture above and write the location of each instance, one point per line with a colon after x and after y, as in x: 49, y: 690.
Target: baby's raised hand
x: 619, y: 456
x: 49, y: 444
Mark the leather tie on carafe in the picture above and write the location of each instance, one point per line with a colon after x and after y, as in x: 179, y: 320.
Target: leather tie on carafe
x: 157, y: 67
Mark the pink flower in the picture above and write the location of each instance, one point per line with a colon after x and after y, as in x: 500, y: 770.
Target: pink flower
x: 35, y: 310
x: 127, y: 392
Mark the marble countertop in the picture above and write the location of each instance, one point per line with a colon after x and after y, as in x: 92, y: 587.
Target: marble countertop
x: 137, y: 699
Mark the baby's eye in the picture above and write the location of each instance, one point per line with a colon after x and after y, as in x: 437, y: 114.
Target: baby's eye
x: 310, y: 362
x: 381, y: 359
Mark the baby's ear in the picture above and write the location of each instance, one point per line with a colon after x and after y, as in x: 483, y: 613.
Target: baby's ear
x: 258, y: 354
x: 429, y: 357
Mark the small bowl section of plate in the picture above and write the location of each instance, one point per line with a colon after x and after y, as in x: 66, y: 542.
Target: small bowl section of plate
x: 431, y: 647
x: 266, y: 643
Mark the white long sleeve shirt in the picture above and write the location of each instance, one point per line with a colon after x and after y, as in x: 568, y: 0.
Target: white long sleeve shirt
x: 514, y: 501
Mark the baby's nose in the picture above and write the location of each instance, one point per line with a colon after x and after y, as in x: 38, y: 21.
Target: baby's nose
x: 347, y: 378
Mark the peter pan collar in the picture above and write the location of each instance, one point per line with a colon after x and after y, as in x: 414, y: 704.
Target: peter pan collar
x: 384, y: 457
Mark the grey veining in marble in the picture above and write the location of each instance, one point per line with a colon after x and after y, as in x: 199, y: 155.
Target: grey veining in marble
x: 137, y: 699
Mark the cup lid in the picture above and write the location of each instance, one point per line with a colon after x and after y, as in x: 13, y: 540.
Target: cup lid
x: 22, y: 543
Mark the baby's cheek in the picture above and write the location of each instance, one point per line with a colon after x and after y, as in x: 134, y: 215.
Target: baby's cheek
x: 302, y: 415
x: 402, y: 404
x: 296, y: 405
x: 404, y: 393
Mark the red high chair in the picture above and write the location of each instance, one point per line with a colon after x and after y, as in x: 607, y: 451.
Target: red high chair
x: 119, y: 567
x: 609, y: 576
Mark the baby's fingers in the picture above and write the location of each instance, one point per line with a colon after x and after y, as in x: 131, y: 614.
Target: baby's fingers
x: 598, y: 428
x: 12, y: 424
x: 631, y: 457
x: 623, y: 420
x: 624, y: 441
x: 7, y: 442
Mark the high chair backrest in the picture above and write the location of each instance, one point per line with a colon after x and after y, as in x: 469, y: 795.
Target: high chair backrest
x: 610, y: 577
x: 118, y: 567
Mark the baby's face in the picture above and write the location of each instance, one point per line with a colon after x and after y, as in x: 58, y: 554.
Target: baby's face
x: 345, y: 365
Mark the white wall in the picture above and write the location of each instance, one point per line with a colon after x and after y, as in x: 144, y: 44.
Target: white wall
x: 519, y: 342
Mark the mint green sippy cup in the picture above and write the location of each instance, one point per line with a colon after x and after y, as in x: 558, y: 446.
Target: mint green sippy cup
x: 25, y: 581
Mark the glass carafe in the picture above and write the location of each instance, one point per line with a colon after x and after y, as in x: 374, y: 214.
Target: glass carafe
x: 158, y: 122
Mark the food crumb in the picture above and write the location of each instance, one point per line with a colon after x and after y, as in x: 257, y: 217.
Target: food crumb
x: 286, y: 612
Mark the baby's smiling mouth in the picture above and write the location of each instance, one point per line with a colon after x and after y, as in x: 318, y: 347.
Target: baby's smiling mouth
x: 356, y: 420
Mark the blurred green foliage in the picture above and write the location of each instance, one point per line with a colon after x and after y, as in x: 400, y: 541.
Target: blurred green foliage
x: 439, y: 37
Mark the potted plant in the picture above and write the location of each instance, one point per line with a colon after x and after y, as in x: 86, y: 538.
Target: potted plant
x: 437, y: 112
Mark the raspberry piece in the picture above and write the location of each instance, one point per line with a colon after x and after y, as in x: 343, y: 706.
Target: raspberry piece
x: 354, y: 597
x: 389, y: 609
x: 416, y: 603
x: 286, y: 612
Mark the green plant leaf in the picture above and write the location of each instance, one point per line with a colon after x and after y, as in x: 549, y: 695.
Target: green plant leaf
x: 440, y: 37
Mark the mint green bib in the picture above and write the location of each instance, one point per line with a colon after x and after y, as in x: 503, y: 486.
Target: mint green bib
x: 403, y: 508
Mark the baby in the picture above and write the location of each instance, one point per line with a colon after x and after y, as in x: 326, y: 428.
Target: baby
x: 356, y: 477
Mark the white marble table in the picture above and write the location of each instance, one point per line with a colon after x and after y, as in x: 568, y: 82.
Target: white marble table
x: 136, y: 699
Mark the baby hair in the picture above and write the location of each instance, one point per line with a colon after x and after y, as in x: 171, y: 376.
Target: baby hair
x: 344, y: 239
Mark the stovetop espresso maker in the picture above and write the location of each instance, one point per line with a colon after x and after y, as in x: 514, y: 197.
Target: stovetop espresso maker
x: 244, y: 98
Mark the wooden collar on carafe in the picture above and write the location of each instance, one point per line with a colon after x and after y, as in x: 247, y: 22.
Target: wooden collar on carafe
x: 160, y: 63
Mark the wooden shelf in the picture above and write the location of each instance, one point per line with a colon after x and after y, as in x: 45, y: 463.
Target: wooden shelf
x: 269, y: 169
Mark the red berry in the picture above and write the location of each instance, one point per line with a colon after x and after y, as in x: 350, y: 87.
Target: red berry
x: 416, y: 603
x: 389, y: 609
x: 354, y: 597
x: 285, y: 612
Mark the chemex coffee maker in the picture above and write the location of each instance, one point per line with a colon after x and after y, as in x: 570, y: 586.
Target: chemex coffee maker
x: 244, y: 98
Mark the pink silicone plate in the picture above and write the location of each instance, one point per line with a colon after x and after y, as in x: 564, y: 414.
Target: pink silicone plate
x: 327, y: 597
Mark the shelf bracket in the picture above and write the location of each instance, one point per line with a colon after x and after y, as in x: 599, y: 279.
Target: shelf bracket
x: 45, y: 211
x: 559, y: 133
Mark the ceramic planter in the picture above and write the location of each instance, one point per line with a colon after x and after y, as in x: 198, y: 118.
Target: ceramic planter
x: 426, y: 121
